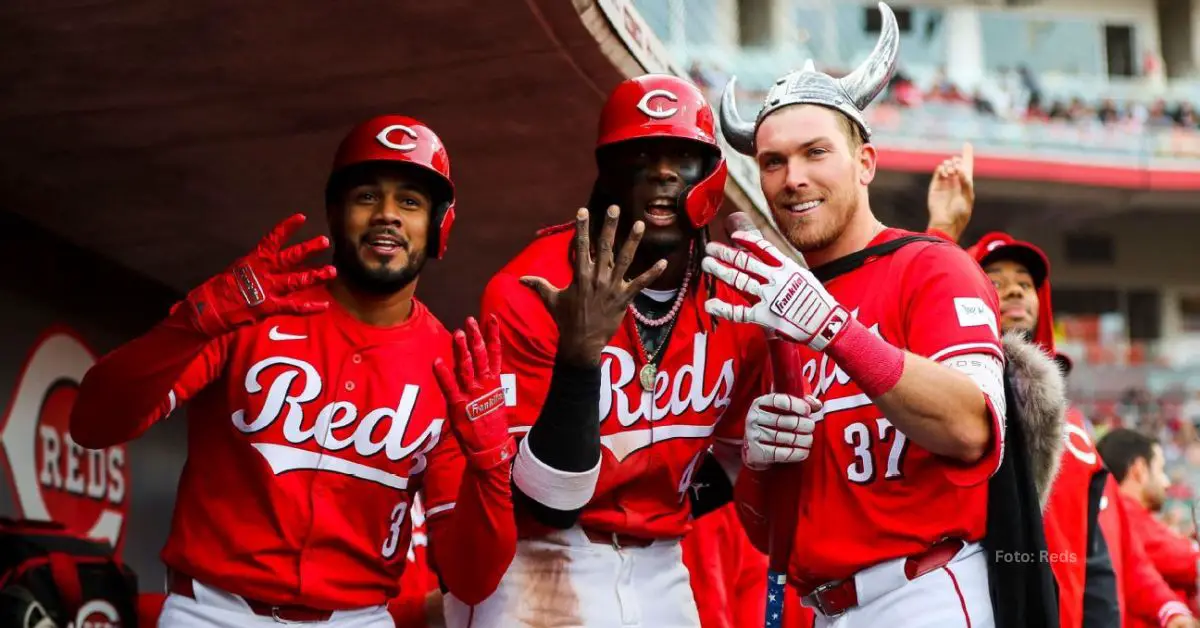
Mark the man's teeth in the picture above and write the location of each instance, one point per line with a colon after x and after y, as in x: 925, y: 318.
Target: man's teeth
x: 805, y: 206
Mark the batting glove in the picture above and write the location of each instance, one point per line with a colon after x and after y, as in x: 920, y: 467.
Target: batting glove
x: 790, y: 300
x: 779, y: 428
x: 258, y: 285
x: 475, y: 397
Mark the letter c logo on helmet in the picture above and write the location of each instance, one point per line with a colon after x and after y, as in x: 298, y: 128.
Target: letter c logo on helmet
x: 660, y: 113
x: 665, y: 106
x: 404, y: 140
x: 384, y: 138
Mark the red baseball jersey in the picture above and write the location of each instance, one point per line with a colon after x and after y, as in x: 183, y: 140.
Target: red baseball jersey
x: 652, y: 440
x: 1066, y: 518
x: 1175, y: 556
x: 1144, y: 598
x: 867, y: 493
x: 307, y: 439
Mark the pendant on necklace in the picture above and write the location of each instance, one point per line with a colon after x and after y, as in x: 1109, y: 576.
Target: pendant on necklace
x: 646, y: 376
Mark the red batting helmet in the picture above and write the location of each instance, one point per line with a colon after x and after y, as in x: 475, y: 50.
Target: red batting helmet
x: 404, y: 140
x: 660, y: 105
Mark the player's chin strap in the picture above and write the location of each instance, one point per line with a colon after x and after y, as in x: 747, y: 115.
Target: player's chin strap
x: 781, y: 480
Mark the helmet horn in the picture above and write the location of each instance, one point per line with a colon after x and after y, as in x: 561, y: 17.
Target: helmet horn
x: 864, y: 83
x: 738, y: 132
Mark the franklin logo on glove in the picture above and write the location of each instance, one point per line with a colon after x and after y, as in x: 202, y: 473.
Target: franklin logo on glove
x: 486, y: 404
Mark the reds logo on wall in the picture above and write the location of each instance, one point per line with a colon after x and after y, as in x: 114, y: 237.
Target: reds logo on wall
x: 53, y: 478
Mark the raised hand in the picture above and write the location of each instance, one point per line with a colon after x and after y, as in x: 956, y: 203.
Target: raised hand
x: 787, y: 297
x: 589, y: 310
x: 260, y: 284
x: 779, y: 428
x: 478, y: 416
x: 952, y: 193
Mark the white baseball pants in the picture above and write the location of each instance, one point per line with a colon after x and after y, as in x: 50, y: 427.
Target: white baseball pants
x: 955, y: 596
x: 566, y: 580
x: 214, y: 608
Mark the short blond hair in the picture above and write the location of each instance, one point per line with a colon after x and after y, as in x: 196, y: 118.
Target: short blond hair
x: 850, y: 129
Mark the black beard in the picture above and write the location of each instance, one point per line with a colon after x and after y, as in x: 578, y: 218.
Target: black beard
x: 380, y: 282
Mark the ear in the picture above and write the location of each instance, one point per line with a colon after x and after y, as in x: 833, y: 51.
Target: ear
x: 1138, y: 470
x: 867, y: 157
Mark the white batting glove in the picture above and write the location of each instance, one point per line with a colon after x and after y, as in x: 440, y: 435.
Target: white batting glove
x: 791, y: 300
x: 779, y: 428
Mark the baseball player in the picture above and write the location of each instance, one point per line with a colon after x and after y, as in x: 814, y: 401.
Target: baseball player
x: 1098, y: 566
x: 1136, y: 462
x: 321, y: 402
x: 620, y: 385
x: 1080, y: 554
x: 900, y: 341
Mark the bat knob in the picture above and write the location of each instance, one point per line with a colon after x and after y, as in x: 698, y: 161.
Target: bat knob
x: 739, y: 221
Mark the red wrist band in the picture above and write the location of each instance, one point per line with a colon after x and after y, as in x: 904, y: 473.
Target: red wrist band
x: 869, y: 360
x: 494, y: 457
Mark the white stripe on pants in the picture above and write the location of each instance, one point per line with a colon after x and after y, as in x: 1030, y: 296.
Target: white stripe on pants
x: 942, y: 598
x: 565, y: 580
x: 214, y: 608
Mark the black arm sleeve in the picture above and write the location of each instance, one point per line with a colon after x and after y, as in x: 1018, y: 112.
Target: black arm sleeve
x: 1100, y: 607
x: 710, y: 488
x: 566, y: 434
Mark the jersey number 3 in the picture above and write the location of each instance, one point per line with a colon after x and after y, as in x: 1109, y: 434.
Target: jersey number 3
x: 393, y: 540
x: 860, y: 437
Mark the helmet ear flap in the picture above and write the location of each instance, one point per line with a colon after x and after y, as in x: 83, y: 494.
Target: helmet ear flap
x: 704, y: 199
x: 443, y: 220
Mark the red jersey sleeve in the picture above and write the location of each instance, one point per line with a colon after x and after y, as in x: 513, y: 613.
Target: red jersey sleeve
x: 949, y: 307
x: 469, y: 515
x: 950, y: 314
x: 1147, y: 595
x: 530, y: 338
x: 143, y: 381
x: 1174, y: 556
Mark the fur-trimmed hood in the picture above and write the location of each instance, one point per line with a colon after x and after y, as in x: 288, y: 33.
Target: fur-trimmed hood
x: 1040, y: 394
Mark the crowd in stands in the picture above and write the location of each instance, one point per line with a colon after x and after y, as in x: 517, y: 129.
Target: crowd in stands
x: 1172, y: 418
x: 1016, y: 95
x: 1013, y: 94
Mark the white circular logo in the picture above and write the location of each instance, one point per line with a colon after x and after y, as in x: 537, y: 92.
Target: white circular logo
x: 56, y: 479
x: 97, y: 614
x: 1086, y: 453
x: 384, y: 137
x: 659, y: 112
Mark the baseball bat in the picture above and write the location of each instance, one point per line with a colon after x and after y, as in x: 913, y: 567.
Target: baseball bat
x: 782, y: 480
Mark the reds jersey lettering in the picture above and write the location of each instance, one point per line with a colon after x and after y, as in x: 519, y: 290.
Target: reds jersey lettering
x: 668, y: 387
x: 866, y: 487
x: 309, y: 438
x: 651, y: 439
x: 331, y: 420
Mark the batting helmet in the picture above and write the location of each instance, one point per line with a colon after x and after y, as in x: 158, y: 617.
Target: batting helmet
x: 403, y: 140
x: 660, y: 105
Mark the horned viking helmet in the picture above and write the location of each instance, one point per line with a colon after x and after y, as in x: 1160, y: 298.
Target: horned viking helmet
x: 850, y: 94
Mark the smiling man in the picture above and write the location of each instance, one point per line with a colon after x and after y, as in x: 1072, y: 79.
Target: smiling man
x: 898, y: 336
x: 320, y: 403
x: 620, y: 378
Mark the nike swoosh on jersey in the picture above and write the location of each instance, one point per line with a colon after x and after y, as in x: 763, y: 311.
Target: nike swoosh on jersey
x: 275, y: 334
